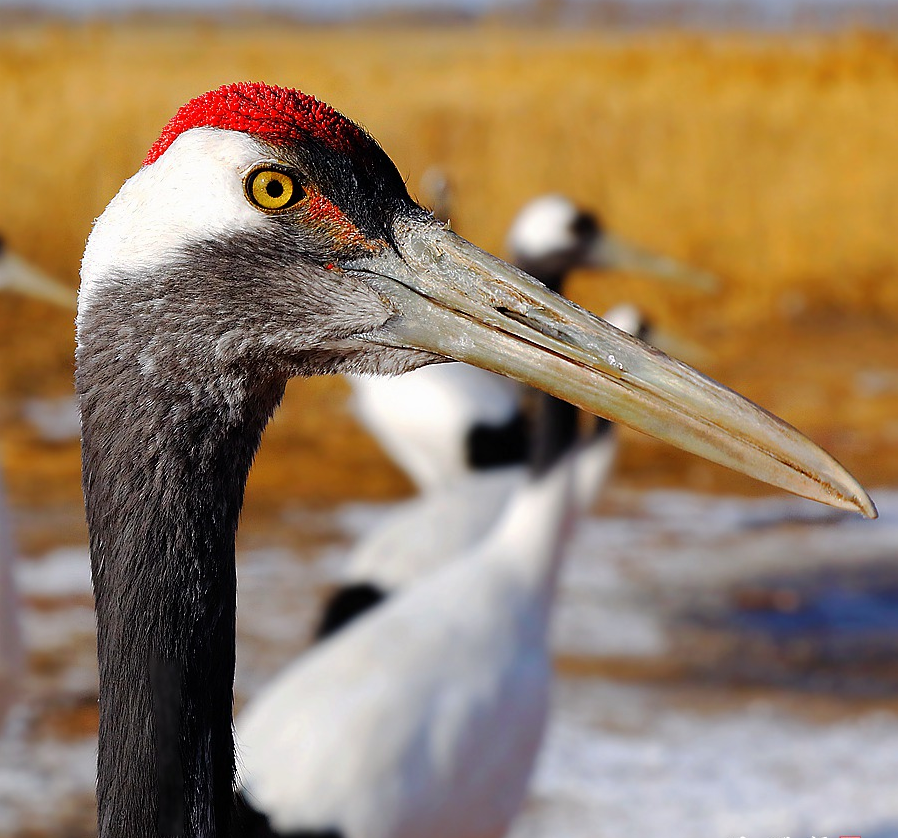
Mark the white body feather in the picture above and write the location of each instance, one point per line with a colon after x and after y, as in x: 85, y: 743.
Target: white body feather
x: 426, y: 532
x: 425, y: 717
x: 421, y: 418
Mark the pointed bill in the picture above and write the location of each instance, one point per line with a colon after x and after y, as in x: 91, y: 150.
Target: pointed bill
x: 455, y: 300
x: 612, y: 252
x: 18, y: 276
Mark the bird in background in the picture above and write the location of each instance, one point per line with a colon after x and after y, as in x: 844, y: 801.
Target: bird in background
x: 460, y: 432
x: 441, y: 423
x: 267, y: 236
x: 551, y: 235
x: 17, y: 276
x: 437, y: 526
x: 426, y: 716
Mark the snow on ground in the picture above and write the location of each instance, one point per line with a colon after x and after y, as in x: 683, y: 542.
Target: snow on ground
x: 682, y: 756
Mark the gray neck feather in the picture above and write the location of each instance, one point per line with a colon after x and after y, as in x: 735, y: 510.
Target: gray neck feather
x: 165, y: 460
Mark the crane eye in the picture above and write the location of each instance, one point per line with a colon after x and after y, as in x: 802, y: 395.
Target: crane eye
x: 271, y: 189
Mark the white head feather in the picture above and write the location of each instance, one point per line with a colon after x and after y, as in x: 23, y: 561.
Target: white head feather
x: 543, y: 227
x: 192, y: 192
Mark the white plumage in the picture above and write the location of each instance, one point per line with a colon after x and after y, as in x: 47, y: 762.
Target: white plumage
x: 195, y: 194
x: 425, y: 717
x: 422, y: 419
x: 545, y: 227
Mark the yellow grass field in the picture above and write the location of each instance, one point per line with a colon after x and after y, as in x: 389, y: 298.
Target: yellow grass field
x: 771, y: 161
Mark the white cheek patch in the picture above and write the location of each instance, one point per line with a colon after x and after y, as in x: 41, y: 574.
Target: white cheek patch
x: 194, y: 192
x: 542, y: 228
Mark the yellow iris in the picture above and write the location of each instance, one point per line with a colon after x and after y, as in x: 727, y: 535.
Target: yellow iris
x: 271, y: 189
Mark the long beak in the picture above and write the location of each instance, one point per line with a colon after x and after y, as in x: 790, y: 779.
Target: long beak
x: 455, y: 300
x: 17, y: 275
x: 611, y: 252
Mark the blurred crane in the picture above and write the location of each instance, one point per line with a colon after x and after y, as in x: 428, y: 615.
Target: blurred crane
x: 442, y: 422
x: 426, y: 716
x: 431, y: 529
x: 18, y: 276
x: 461, y: 433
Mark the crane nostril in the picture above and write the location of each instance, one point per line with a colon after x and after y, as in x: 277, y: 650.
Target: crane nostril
x: 535, y: 318
x: 517, y: 316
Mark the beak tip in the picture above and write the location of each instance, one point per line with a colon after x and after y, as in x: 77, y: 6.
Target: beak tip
x: 856, y: 499
x: 707, y: 282
x: 867, y: 508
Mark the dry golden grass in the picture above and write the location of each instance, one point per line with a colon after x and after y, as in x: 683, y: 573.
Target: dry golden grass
x: 767, y: 160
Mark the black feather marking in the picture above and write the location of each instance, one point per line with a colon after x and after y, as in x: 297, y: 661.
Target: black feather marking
x: 495, y: 446
x: 555, y: 432
x: 251, y: 823
x: 600, y: 427
x: 586, y: 227
x: 347, y: 604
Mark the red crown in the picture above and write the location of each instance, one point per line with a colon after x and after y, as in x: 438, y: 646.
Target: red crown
x: 277, y: 114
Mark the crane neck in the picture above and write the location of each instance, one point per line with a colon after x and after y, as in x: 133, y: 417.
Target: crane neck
x: 525, y: 551
x: 165, y: 460
x: 526, y: 547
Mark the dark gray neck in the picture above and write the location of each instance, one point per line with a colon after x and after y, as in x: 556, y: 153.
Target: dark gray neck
x: 166, y: 453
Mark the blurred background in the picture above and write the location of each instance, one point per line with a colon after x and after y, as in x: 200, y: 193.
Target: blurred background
x: 728, y: 659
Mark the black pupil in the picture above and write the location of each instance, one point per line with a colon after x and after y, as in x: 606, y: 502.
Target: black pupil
x: 274, y: 188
